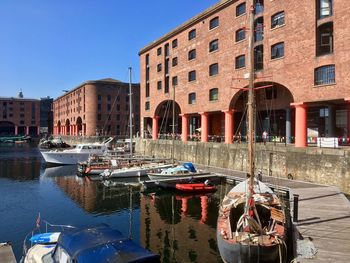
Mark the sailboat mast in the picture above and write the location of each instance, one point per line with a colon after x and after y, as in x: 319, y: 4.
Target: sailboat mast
x: 173, y: 130
x: 251, y: 104
x: 130, y: 110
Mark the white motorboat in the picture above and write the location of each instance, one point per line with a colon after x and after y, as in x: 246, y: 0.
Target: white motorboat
x: 134, y: 171
x: 80, y: 153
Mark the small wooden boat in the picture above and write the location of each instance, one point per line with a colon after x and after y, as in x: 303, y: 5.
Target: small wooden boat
x: 195, y: 188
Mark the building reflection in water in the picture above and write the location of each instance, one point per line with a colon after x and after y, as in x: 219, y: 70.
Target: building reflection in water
x: 96, y: 197
x: 26, y: 168
x: 180, y: 228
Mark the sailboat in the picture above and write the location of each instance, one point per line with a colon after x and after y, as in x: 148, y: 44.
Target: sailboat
x: 251, y: 221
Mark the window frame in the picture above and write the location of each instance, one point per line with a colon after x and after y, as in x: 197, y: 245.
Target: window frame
x: 159, y: 51
x: 174, y: 43
x: 214, y: 96
x: 213, y: 45
x: 329, y: 71
x: 192, y: 97
x: 214, y: 23
x: 192, y: 76
x: 237, y: 60
x: 275, y: 50
x: 214, y: 69
x: 159, y: 67
x: 192, y: 34
x: 192, y: 54
x: 277, y: 19
x: 174, y: 59
x: 240, y: 13
x: 237, y: 33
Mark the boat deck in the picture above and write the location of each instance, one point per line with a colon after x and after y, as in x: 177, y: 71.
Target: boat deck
x: 6, y: 253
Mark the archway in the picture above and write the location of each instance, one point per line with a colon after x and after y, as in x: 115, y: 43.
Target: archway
x: 67, y: 127
x: 165, y: 113
x: 79, y: 126
x: 273, y: 112
x: 7, y: 128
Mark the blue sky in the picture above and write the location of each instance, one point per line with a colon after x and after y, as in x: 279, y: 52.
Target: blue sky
x: 47, y: 46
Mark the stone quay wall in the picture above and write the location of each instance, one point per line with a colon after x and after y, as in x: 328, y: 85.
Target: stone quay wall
x: 317, y: 165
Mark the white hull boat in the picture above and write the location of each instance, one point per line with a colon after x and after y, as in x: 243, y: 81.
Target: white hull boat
x: 136, y: 171
x: 80, y: 153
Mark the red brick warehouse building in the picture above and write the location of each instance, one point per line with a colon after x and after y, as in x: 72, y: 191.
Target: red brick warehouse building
x: 19, y: 116
x: 99, y: 107
x: 300, y: 57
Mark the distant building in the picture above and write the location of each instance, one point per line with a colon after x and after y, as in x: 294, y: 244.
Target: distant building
x: 19, y: 116
x: 301, y: 60
x: 99, y: 107
x: 46, y: 115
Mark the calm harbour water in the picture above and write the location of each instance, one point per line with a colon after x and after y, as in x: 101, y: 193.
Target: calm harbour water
x: 180, y: 228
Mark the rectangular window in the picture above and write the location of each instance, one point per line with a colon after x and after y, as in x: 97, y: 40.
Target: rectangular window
x: 240, y: 9
x: 166, y: 50
x: 259, y: 57
x: 214, y: 45
x: 174, y: 62
x: 240, y: 34
x: 325, y: 8
x: 159, y: 85
x: 259, y: 6
x: 214, y: 23
x: 192, y: 75
x: 166, y: 85
x: 174, y: 81
x: 147, y: 60
x: 174, y: 43
x: 147, y: 105
x: 240, y: 62
x: 192, y: 54
x: 277, y: 50
x: 213, y: 69
x: 99, y: 97
x: 213, y: 94
x: 99, y: 107
x: 109, y: 107
x: 325, y: 75
x: 192, y: 98
x: 192, y: 34
x: 159, y: 51
x: 277, y: 20
x: 159, y: 67
x: 108, y: 97
x: 147, y: 90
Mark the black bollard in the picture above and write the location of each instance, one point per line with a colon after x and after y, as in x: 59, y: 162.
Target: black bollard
x: 295, y: 208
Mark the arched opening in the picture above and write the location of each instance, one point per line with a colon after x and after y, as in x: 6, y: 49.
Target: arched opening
x: 165, y: 122
x: 79, y: 124
x: 273, y: 112
x: 7, y: 128
x: 67, y: 127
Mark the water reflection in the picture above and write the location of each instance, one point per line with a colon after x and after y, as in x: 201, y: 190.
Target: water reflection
x: 180, y: 228
x: 19, y: 162
x: 105, y: 197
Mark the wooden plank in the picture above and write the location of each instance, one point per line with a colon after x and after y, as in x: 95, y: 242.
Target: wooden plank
x: 324, y: 220
x: 6, y: 253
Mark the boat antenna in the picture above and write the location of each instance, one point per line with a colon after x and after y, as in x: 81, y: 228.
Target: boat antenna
x: 173, y: 130
x: 130, y: 110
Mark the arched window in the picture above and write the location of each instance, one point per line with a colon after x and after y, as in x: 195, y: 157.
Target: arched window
x: 325, y: 75
x: 214, y: 23
x: 277, y: 50
x: 214, y: 45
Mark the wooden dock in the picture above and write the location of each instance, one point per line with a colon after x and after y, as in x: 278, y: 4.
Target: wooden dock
x: 323, y: 225
x: 6, y: 253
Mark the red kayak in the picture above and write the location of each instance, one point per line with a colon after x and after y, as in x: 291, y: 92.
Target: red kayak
x: 195, y: 187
